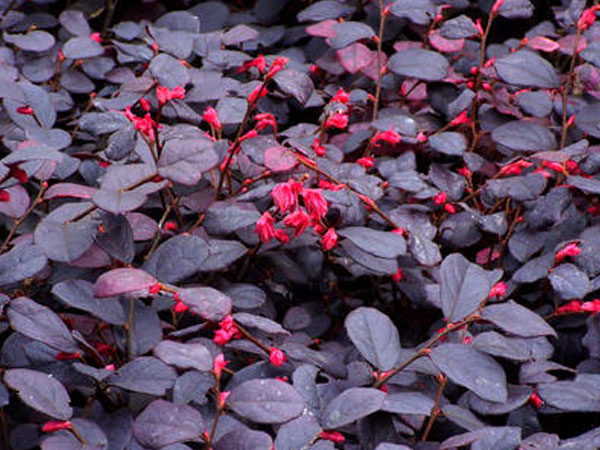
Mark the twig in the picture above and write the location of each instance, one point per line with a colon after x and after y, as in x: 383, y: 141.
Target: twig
x: 252, y: 339
x: 110, y: 12
x: 435, y: 410
x: 4, y: 428
x: 564, y: 93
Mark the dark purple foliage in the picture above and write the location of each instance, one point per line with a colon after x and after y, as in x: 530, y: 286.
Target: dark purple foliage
x: 309, y: 225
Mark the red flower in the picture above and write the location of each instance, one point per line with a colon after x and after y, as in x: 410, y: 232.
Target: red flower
x: 264, y: 120
x: 4, y: 196
x: 337, y: 120
x: 285, y: 195
x: 464, y: 171
x: 219, y: 364
x: 587, y: 18
x: 462, y: 118
x: 25, y: 110
x: 333, y: 436
x: 170, y: 226
x: 326, y: 184
x: 277, y: 66
x: 259, y: 62
x: 64, y: 356
x: 341, y: 96
x: 449, y: 208
x: 496, y: 7
x: 155, y: 288
x: 276, y: 357
x: 55, y: 425
x: 227, y: 331
x: 164, y: 94
x: 222, y: 399
x: 282, y: 236
x: 367, y: 162
x: 144, y: 104
x: 179, y: 306
x: 387, y: 136
x: 571, y: 249
x: 315, y: 202
x: 212, y: 118
x: 222, y: 337
x: 298, y: 220
x: 264, y: 227
x: 330, y: 239
x: 318, y: 148
x: 110, y: 367
x: 573, y: 306
x: 498, y: 290
x: 536, y: 401
x: 515, y: 167
x: 259, y: 92
x: 593, y: 306
x: 398, y: 276
x: 440, y: 199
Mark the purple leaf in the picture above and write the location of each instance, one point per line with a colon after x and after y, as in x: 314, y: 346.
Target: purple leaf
x: 266, y: 401
x: 523, y: 136
x: 458, y: 28
x: 463, y: 286
x: 294, y: 83
x: 280, y: 159
x: 74, y: 22
x: 472, y: 369
x: 375, y: 337
x: 378, y: 243
x: 526, y: 68
x: 185, y: 160
x: 178, y: 258
x: 40, y: 391
x: 355, y: 57
x: 116, y: 238
x: 23, y: 261
x: 82, y: 47
x: 184, y: 356
x: 408, y: 403
x: 244, y: 439
x: 419, y: 63
x: 80, y: 294
x: 41, y: 324
x: 324, y: 9
x: 351, y: 405
x: 18, y: 203
x: 122, y: 281
x: 33, y: 41
x: 578, y: 395
x: 420, y: 12
x: 144, y: 374
x: 517, y: 319
x: 208, y: 303
x: 90, y: 432
x: 163, y: 423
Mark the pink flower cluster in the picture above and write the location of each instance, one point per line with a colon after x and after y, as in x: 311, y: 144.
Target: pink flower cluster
x: 286, y: 197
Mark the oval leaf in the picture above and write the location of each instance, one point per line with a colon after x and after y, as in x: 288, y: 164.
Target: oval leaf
x: 419, y: 63
x: 351, y: 405
x: 121, y: 281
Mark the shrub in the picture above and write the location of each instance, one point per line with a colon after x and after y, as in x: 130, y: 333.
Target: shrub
x: 299, y: 225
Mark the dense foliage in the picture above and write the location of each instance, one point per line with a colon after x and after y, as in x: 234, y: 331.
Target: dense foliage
x: 299, y: 225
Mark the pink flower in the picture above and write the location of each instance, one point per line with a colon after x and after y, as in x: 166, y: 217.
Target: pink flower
x: 212, y: 118
x: 285, y: 195
x: 276, y: 357
x: 4, y: 195
x: 55, y: 425
x: 571, y: 249
x: 27, y: 110
x: 337, y: 120
x: 366, y: 161
x: 573, y: 306
x: 450, y: 209
x: 222, y: 399
x: 277, y: 66
x: 464, y: 171
x: 264, y: 227
x: 389, y: 136
x: 398, y: 276
x: 164, y: 94
x: 259, y: 92
x: 179, y: 306
x: 341, y: 96
x: 330, y: 239
x: 593, y: 306
x: 227, y: 331
x: 155, y: 288
x: 144, y: 104
x: 282, y: 236
x: 298, y: 220
x: 219, y: 364
x: 318, y: 148
x: 440, y: 199
x: 587, y: 18
x: 265, y: 120
x: 496, y: 7
x: 315, y: 203
x: 333, y: 436
x: 498, y: 290
x: 259, y: 62
x: 96, y: 37
x: 462, y: 118
x: 536, y: 401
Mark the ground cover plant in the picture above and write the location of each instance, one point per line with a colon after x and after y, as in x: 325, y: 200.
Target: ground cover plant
x: 277, y: 224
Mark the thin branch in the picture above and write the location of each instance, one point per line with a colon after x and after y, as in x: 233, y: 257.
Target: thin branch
x: 435, y: 410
